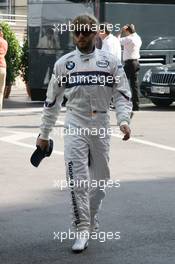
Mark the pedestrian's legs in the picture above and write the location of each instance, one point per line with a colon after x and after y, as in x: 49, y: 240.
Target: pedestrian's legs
x: 135, y: 85
x: 131, y: 68
x: 2, y: 85
x: 127, y: 69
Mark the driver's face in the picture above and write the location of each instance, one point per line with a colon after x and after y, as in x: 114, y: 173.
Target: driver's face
x: 84, y: 39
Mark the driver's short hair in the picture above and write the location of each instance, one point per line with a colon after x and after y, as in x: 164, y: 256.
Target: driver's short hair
x: 85, y: 19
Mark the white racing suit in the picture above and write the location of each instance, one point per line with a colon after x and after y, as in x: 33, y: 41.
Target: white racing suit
x: 80, y: 77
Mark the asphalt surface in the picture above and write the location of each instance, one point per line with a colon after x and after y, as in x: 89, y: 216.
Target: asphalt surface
x: 142, y: 209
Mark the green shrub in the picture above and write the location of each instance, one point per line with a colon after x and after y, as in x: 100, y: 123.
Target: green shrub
x: 13, y: 56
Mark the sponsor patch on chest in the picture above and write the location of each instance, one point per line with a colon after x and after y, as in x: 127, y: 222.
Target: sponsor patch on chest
x: 102, y: 63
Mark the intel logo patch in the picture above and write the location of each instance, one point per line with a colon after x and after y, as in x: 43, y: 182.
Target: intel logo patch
x: 102, y: 64
x: 70, y: 65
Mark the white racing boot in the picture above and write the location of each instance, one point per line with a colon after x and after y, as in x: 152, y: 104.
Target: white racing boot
x: 81, y: 242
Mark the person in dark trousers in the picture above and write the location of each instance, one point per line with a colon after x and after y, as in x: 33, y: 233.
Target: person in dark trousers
x: 131, y: 43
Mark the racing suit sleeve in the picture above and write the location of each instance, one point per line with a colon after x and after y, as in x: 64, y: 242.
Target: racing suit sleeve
x: 122, y: 96
x: 52, y: 104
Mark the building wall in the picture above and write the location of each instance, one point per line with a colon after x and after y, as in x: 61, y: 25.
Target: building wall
x: 20, y: 2
x: 18, y: 22
x: 13, y: 7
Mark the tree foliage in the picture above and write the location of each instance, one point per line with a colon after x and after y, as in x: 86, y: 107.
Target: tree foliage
x: 13, y: 56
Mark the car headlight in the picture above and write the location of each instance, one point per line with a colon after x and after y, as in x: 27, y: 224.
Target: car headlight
x: 147, y: 76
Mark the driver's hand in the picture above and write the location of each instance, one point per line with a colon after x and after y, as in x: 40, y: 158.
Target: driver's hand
x: 42, y: 143
x: 126, y: 131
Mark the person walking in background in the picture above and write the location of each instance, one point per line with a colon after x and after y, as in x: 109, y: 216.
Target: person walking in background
x: 3, y: 51
x: 109, y: 42
x: 131, y: 43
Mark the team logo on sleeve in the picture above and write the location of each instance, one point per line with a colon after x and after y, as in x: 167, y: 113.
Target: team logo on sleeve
x: 102, y: 63
x: 70, y: 65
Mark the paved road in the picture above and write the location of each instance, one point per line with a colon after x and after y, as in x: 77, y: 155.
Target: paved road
x: 32, y: 207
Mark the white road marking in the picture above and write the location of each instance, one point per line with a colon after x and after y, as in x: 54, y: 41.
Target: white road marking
x: 59, y: 122
x: 26, y: 111
x: 140, y: 141
x: 146, y: 142
x: 17, y: 135
x: 21, y: 111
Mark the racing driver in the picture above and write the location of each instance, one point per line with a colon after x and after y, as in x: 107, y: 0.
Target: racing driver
x: 78, y: 75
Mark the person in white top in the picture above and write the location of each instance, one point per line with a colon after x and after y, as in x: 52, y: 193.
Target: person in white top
x: 131, y: 43
x: 110, y: 43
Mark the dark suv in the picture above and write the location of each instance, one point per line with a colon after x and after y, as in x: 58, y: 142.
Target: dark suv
x: 158, y: 83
